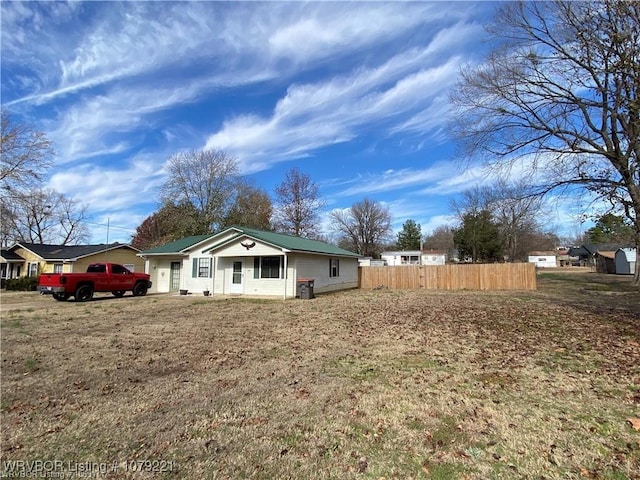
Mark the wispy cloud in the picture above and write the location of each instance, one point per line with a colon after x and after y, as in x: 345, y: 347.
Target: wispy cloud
x: 111, y: 189
x: 315, y: 115
x: 390, y: 180
x: 114, y: 85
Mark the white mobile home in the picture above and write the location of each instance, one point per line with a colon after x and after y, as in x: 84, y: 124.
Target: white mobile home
x: 405, y: 257
x: 244, y: 261
x: 544, y: 259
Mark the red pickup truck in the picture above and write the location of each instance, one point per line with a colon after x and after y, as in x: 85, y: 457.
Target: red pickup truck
x: 99, y: 277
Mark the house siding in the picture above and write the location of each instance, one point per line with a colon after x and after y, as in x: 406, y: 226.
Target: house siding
x: 543, y: 261
x: 235, y: 252
x: 159, y: 270
x: 433, y: 259
x: 317, y: 267
x: 122, y: 256
x: 30, y: 258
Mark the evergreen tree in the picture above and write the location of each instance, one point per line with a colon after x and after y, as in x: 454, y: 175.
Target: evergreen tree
x: 478, y: 238
x: 611, y: 228
x: 409, y: 237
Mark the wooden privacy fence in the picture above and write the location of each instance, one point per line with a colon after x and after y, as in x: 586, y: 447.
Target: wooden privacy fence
x: 491, y: 276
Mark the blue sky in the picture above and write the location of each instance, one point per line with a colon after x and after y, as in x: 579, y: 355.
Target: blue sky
x: 353, y: 94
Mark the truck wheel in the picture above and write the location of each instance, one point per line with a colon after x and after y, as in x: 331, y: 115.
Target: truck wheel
x: 119, y: 293
x: 84, y: 293
x: 140, y: 289
x: 61, y: 297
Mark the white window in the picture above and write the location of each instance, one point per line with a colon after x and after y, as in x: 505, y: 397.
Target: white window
x: 57, y: 268
x: 203, y: 267
x: 268, y: 267
x: 33, y: 269
x: 334, y: 267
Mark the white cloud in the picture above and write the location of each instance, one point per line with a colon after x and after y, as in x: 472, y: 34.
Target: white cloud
x: 321, y: 114
x: 113, y: 193
x: 391, y: 180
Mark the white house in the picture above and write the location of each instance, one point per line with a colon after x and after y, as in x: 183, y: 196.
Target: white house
x: 626, y: 261
x: 414, y: 257
x: 370, y: 262
x: 405, y: 257
x: 544, y: 259
x: 245, y: 261
x: 433, y: 257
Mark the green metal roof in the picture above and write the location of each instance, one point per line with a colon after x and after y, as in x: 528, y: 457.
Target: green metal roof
x: 288, y: 242
x: 178, y: 246
x: 297, y: 244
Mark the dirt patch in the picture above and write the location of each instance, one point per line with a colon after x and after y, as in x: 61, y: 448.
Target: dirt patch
x: 382, y: 384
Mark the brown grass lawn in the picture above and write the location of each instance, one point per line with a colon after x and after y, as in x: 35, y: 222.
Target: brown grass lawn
x: 358, y: 384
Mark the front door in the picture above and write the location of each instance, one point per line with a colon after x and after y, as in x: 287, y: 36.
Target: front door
x: 236, y: 278
x: 175, y: 276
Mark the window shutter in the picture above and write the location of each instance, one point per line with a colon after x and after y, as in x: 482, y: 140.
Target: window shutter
x: 337, y: 267
x: 256, y: 267
x: 211, y: 267
x: 330, y: 267
x: 194, y: 269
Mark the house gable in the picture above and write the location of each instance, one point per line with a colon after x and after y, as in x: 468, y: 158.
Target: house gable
x: 244, y: 246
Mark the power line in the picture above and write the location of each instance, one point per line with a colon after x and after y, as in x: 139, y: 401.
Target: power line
x: 112, y: 226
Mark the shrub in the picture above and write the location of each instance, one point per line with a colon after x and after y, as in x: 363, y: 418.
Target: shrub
x: 27, y: 284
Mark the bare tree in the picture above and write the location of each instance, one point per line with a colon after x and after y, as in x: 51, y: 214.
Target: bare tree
x: 31, y: 213
x: 514, y: 208
x: 440, y: 239
x: 559, y: 94
x: 516, y: 211
x: 25, y: 156
x: 44, y: 216
x: 298, y: 205
x: 364, y: 227
x: 208, y: 180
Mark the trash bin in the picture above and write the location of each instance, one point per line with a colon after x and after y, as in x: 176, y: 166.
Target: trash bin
x: 305, y: 288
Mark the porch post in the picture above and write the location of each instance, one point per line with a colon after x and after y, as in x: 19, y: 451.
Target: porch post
x: 213, y: 275
x: 285, y: 274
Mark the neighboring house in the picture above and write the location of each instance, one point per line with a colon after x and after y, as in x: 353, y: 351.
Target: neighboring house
x: 11, y: 264
x: 585, y: 255
x: 433, y: 257
x: 626, y: 261
x: 246, y: 261
x: 543, y: 259
x: 370, y: 262
x: 39, y: 258
x: 606, y: 262
x: 405, y: 257
x: 414, y: 257
x: 562, y: 257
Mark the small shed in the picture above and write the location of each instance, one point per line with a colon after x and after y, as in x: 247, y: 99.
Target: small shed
x: 626, y: 261
x: 606, y: 262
